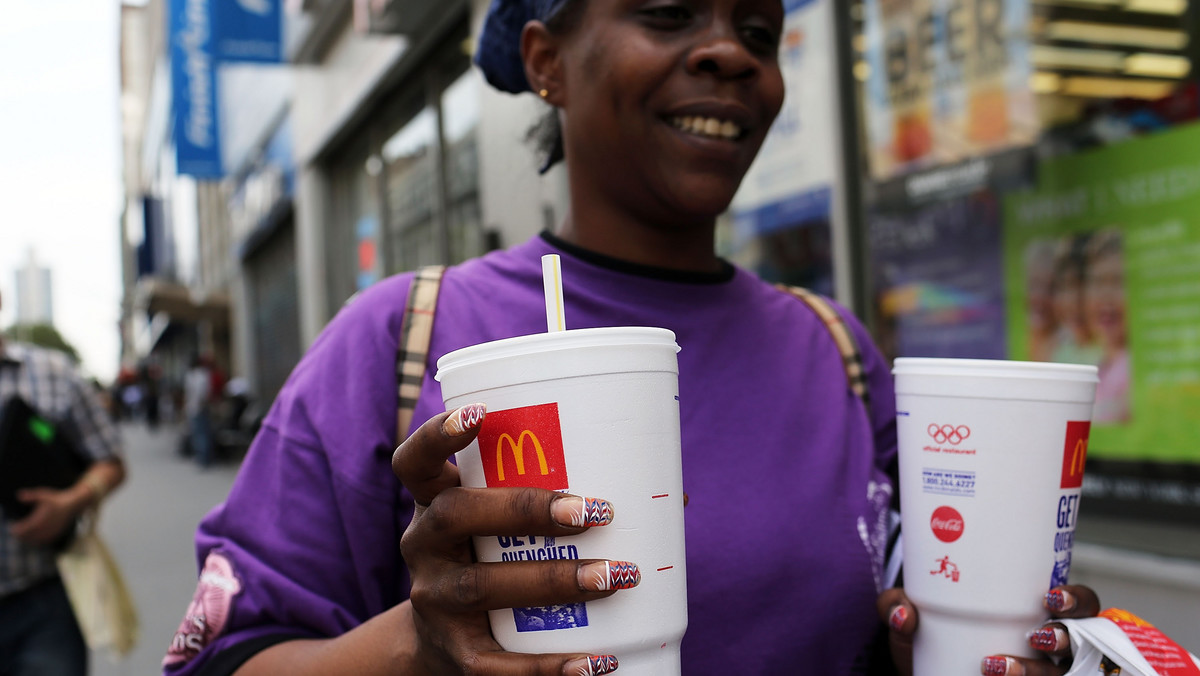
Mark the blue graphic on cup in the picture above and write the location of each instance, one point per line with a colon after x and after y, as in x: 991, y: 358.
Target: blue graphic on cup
x: 550, y: 618
x: 1062, y: 568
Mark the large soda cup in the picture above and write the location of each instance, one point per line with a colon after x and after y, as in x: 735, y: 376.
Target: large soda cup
x: 592, y: 412
x: 991, y: 469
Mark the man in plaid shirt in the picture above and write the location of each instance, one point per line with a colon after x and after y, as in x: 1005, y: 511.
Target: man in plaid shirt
x: 38, y: 631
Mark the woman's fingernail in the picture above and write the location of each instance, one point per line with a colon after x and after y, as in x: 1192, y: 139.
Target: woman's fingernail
x: 464, y: 420
x: 576, y: 512
x: 898, y: 617
x: 1059, y: 601
x: 593, y: 665
x: 609, y: 576
x: 999, y: 665
x: 1049, y: 639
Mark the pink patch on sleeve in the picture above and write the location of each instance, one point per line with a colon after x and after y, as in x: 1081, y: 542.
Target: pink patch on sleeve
x: 209, y: 610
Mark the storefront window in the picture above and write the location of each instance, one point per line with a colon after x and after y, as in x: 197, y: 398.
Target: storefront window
x: 410, y: 165
x: 460, y: 124
x: 1034, y: 195
x: 352, y: 239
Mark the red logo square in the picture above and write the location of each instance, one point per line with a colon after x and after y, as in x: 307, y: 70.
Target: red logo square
x: 523, y: 447
x: 1075, y: 453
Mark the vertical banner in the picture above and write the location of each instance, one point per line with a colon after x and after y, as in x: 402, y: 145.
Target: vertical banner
x: 948, y: 79
x: 1103, y: 267
x: 366, y: 234
x: 789, y: 183
x: 194, y: 88
x: 204, y: 34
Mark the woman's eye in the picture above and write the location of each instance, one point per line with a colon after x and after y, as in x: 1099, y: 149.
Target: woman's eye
x: 667, y: 13
x: 761, y: 37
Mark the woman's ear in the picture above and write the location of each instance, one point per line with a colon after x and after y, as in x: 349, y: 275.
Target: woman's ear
x: 543, y: 62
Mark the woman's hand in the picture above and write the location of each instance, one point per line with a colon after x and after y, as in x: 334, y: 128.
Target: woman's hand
x: 451, y: 592
x: 1067, y: 601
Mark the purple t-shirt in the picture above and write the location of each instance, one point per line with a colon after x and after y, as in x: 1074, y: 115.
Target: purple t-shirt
x: 788, y: 479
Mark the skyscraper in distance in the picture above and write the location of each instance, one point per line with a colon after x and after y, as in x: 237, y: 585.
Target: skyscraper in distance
x: 34, y: 300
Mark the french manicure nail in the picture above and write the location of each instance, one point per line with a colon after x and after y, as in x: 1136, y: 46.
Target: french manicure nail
x: 577, y: 512
x: 608, y: 576
x: 464, y: 420
x: 898, y: 616
x: 593, y: 665
x: 1059, y: 601
x: 1049, y: 639
x: 999, y: 665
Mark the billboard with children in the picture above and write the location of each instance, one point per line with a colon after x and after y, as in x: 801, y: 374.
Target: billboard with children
x: 1102, y: 266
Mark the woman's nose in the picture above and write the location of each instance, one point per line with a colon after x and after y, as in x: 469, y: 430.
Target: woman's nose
x: 720, y: 52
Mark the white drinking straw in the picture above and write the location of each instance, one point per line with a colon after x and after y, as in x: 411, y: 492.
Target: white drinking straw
x: 552, y: 284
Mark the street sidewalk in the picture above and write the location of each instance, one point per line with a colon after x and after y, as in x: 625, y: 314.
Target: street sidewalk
x: 148, y: 525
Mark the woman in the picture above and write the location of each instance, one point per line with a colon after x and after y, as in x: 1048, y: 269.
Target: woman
x: 1104, y: 307
x: 662, y: 107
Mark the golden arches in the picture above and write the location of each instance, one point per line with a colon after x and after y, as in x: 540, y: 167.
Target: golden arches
x: 518, y: 448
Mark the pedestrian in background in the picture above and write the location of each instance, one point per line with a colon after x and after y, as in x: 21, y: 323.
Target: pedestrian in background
x: 197, y: 406
x: 39, y: 635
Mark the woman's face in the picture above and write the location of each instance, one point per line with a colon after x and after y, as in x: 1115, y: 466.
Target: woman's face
x: 667, y: 101
x: 1105, y: 299
x: 1068, y: 298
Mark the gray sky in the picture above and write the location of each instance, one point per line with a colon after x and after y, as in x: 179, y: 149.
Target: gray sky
x: 60, y: 183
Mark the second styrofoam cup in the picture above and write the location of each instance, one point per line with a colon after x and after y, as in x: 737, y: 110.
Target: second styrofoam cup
x: 991, y: 469
x: 592, y: 412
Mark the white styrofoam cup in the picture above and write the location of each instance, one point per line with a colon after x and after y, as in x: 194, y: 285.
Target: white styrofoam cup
x: 592, y: 412
x: 991, y: 469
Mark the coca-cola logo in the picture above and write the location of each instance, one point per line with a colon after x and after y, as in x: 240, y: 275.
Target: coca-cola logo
x: 947, y: 524
x: 948, y: 434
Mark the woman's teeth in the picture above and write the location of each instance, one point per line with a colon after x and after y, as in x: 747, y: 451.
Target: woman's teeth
x: 708, y: 126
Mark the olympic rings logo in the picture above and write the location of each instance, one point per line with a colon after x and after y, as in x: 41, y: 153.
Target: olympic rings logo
x: 949, y: 433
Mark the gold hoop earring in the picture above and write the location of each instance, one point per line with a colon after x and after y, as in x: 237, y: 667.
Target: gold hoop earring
x: 543, y: 93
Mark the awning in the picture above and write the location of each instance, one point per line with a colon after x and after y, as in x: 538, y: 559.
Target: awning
x: 154, y: 295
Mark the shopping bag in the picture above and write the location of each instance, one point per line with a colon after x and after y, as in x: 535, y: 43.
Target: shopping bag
x: 103, y: 605
x: 1119, y: 642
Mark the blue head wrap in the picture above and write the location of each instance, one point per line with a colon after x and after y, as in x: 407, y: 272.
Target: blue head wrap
x: 499, y: 51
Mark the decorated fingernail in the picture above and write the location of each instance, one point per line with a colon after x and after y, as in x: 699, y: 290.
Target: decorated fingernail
x: 999, y: 665
x: 609, y: 575
x: 898, y: 616
x: 577, y: 512
x: 593, y: 665
x: 464, y: 420
x: 1049, y: 639
x: 1059, y: 601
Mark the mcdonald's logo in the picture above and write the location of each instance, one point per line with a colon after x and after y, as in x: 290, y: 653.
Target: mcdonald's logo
x: 1075, y: 453
x: 523, y: 447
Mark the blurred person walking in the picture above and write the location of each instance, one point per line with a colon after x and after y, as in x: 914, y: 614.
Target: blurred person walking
x: 38, y: 630
x: 197, y: 406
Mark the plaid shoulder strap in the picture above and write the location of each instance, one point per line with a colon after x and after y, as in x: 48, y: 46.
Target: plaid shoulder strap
x: 416, y: 330
x: 848, y: 347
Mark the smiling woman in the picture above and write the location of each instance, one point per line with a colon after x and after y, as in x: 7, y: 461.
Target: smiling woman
x: 663, y: 107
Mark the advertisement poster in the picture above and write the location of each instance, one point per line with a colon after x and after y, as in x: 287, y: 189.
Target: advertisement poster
x: 1102, y: 263
x: 938, y: 274
x: 789, y: 183
x: 947, y: 80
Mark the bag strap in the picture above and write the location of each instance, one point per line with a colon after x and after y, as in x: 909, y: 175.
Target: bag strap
x: 412, y: 351
x: 847, y: 346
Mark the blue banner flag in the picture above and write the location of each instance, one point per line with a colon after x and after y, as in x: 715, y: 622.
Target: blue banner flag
x: 194, y: 88
x: 249, y: 30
